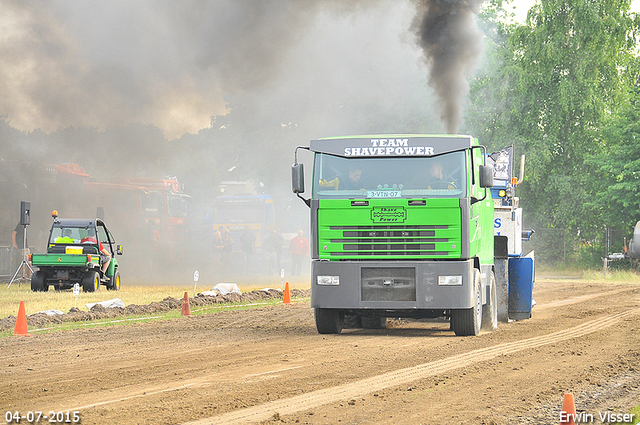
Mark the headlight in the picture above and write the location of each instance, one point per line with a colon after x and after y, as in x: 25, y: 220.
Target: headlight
x: 328, y: 280
x: 450, y: 280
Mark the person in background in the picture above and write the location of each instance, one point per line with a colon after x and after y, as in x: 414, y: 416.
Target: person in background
x: 65, y: 238
x: 218, y: 247
x: 273, y: 247
x: 298, y: 249
x: 437, y: 179
x: 279, y: 243
x: 248, y: 246
x: 18, y: 239
x: 355, y: 180
x: 105, y: 256
x: 227, y: 248
x: 154, y: 242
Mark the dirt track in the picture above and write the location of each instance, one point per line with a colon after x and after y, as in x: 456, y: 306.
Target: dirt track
x: 269, y: 364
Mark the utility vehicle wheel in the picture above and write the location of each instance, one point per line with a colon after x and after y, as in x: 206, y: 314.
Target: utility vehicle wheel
x: 114, y: 282
x: 329, y: 321
x: 490, y: 309
x: 352, y: 321
x: 91, y: 282
x: 39, y: 282
x: 467, y: 322
x: 374, y: 322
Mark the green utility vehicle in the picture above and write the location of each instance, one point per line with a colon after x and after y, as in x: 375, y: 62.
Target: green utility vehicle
x: 401, y: 226
x: 73, y: 256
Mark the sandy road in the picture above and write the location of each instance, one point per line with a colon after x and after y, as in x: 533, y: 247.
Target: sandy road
x: 268, y: 364
x: 403, y: 376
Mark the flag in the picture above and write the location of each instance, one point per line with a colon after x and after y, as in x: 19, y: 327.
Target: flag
x: 502, y: 166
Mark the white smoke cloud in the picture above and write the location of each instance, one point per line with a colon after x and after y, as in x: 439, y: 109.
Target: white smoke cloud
x: 174, y: 65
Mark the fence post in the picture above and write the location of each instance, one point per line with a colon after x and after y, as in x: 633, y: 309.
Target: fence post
x: 564, y: 247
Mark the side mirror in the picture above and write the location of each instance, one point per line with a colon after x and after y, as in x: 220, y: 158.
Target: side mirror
x: 297, y: 178
x: 486, y: 176
x: 119, y: 249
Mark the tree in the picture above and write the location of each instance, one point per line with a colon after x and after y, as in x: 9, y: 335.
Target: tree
x: 616, y: 186
x: 558, y: 83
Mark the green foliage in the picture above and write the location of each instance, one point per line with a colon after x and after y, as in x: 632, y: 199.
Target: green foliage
x: 636, y: 414
x: 561, y: 88
x: 569, y: 58
x: 584, y: 248
x: 590, y: 254
x: 617, y: 189
x: 551, y: 88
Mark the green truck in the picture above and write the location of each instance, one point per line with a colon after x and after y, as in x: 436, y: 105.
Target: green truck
x: 401, y: 226
x: 73, y: 256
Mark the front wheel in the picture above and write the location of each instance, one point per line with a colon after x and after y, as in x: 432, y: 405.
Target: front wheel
x: 467, y: 322
x: 329, y: 321
x: 91, y: 281
x: 114, y: 282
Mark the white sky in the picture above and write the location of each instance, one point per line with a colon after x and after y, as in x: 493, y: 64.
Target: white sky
x: 522, y: 7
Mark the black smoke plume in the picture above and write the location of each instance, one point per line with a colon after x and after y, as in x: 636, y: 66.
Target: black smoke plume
x: 452, y: 44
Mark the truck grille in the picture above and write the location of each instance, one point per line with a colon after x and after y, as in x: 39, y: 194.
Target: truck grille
x: 390, y: 240
x: 383, y: 229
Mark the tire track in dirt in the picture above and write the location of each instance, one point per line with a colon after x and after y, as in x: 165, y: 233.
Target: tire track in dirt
x: 376, y: 383
x: 575, y: 300
x: 124, y: 395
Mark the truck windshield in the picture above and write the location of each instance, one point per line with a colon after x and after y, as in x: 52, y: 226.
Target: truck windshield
x: 68, y: 234
x: 177, y: 205
x: 152, y: 204
x: 442, y: 176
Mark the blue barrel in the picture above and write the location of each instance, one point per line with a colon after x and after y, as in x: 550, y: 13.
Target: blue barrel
x: 520, y: 287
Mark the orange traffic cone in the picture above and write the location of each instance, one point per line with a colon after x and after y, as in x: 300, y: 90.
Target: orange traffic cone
x: 21, y: 322
x: 568, y: 415
x: 186, y: 308
x: 287, y: 296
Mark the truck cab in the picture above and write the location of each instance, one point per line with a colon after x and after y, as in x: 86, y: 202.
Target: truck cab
x: 401, y: 226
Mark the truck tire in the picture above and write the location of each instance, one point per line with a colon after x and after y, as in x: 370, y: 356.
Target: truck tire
x: 467, y: 322
x: 39, y: 282
x: 329, y: 321
x: 374, y: 322
x: 91, y: 281
x: 352, y: 321
x: 114, y: 282
x: 490, y: 309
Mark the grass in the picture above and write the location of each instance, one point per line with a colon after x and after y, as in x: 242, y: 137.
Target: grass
x: 134, y: 293
x: 141, y: 293
x: 128, y: 320
x: 64, y: 300
x: 636, y: 414
x: 617, y: 276
x: 589, y: 275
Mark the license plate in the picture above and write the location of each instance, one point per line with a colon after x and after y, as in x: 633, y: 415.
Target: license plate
x: 384, y: 194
